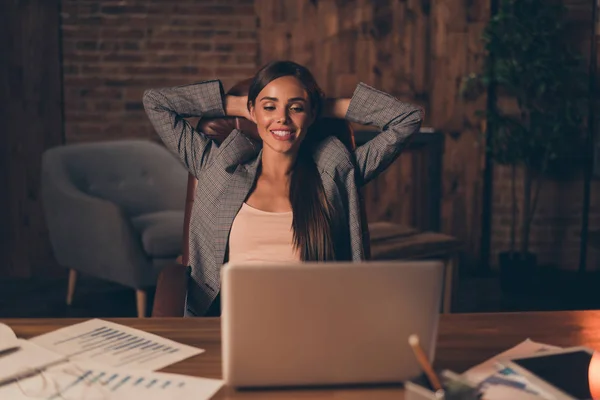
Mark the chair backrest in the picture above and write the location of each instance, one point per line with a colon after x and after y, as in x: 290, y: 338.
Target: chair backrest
x: 219, y: 128
x: 139, y: 176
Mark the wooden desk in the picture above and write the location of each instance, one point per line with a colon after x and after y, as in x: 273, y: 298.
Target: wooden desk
x: 464, y: 340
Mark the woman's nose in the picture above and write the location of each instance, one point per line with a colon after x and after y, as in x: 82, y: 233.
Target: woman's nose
x: 283, y: 117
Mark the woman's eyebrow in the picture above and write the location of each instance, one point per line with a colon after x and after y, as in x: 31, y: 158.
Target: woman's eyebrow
x: 276, y: 99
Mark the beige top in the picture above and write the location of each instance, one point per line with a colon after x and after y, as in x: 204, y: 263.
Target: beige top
x: 258, y: 235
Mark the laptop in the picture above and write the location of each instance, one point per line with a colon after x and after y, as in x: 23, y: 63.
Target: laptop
x: 319, y: 324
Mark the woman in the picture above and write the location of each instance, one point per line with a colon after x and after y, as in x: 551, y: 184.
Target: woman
x: 251, y: 192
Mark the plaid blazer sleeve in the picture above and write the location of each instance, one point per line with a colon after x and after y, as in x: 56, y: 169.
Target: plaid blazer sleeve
x: 397, y: 121
x: 167, y: 109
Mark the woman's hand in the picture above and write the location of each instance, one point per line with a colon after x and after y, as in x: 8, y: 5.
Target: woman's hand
x: 237, y: 117
x: 237, y: 106
x: 335, y: 108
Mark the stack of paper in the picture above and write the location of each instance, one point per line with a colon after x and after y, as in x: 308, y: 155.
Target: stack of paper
x: 497, y: 382
x: 97, y: 359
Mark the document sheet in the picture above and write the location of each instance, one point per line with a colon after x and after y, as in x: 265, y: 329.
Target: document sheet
x: 115, y: 345
x: 81, y: 380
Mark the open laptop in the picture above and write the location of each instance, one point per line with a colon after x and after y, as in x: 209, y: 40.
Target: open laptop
x: 309, y: 324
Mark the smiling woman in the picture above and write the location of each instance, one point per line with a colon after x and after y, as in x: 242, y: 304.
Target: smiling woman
x: 293, y: 194
x: 284, y: 101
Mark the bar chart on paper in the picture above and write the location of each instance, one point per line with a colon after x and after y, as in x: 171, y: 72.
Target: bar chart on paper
x: 115, y: 345
x: 80, y: 380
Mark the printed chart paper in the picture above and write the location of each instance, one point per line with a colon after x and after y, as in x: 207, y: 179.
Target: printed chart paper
x: 497, y: 382
x: 81, y: 380
x: 483, y: 371
x: 115, y: 345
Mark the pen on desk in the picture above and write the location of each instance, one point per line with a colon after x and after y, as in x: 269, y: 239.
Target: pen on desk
x: 413, y: 340
x: 9, y: 350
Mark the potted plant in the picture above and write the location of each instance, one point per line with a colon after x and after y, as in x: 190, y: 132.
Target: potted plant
x: 534, y: 122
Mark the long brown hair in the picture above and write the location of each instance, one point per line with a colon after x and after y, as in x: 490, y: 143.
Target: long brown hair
x: 312, y: 220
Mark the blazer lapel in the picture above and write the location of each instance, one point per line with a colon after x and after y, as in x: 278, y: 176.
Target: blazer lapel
x: 234, y: 195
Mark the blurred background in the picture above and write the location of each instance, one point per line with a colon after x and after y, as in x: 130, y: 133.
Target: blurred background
x: 502, y: 181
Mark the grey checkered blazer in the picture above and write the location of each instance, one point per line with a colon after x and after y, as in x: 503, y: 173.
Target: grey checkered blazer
x: 226, y: 172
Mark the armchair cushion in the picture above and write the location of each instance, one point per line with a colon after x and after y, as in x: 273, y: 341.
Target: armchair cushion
x: 161, y: 233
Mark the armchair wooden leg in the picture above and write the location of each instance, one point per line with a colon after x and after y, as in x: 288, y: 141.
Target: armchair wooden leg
x: 449, y: 278
x: 71, y: 286
x: 140, y: 297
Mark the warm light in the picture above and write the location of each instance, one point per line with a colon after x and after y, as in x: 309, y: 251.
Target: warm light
x: 594, y: 376
x: 587, y: 335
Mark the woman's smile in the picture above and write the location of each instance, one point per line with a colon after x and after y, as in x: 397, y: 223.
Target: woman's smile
x: 283, y: 134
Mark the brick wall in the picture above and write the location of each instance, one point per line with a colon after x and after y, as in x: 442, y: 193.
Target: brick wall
x: 114, y: 50
x: 556, y: 228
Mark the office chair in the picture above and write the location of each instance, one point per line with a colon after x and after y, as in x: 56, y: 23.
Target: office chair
x: 169, y: 299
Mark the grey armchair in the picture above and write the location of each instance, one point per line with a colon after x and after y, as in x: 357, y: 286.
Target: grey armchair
x: 114, y: 211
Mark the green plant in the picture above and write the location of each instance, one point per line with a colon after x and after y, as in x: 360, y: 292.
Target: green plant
x: 530, y: 62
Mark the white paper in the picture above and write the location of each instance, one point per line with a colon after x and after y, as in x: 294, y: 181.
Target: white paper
x: 7, y: 336
x: 526, y: 348
x: 498, y: 392
x: 496, y: 383
x: 28, y: 357
x: 115, y: 345
x: 81, y: 380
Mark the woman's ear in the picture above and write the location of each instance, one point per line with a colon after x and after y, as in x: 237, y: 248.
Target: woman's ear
x: 251, y: 112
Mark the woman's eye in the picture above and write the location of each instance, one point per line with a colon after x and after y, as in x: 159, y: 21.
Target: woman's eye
x: 297, y: 109
x: 268, y: 108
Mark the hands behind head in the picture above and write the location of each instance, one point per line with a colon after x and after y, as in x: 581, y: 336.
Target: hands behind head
x: 331, y: 123
x: 238, y: 117
x: 218, y: 129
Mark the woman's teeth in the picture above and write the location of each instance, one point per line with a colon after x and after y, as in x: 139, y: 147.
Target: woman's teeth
x: 282, y: 135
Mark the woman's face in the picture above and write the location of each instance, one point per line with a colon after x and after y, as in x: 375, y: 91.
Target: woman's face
x: 282, y: 113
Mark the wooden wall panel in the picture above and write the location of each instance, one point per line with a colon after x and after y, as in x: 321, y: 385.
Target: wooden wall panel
x: 418, y: 50
x: 390, y: 196
x: 456, y: 51
x: 30, y: 98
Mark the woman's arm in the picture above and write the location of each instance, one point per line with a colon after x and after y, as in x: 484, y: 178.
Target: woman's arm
x: 167, y: 109
x: 397, y: 121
